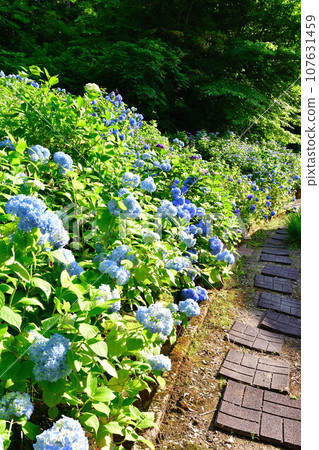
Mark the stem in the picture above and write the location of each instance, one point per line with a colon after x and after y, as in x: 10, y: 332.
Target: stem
x: 10, y: 428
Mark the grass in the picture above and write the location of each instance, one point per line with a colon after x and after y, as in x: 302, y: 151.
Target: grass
x: 293, y: 225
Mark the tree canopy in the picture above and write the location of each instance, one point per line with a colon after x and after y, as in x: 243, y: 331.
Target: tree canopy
x: 189, y: 64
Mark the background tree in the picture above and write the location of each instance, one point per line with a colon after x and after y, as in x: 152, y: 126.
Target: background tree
x: 190, y: 64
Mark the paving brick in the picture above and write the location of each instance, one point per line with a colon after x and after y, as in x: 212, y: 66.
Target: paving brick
x: 281, y: 285
x: 275, y: 259
x: 275, y: 243
x: 244, y: 251
x: 253, y: 398
x: 271, y: 428
x: 256, y: 370
x: 276, y: 251
x: 282, y: 231
x: 255, y: 338
x: 292, y: 433
x: 281, y: 323
x: 280, y: 272
x: 271, y: 417
x: 280, y: 303
x: 280, y: 237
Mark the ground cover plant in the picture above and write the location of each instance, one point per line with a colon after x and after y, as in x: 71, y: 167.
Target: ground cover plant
x: 110, y: 235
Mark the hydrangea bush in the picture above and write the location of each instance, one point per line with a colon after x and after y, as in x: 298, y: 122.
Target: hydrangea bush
x: 103, y: 219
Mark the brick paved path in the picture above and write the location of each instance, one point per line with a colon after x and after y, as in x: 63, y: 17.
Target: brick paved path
x: 271, y: 416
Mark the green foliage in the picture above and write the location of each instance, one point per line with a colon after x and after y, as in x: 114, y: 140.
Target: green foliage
x: 293, y: 225
x: 108, y: 355
x: 210, y: 65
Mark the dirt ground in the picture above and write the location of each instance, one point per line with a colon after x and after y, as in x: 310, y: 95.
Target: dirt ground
x: 188, y: 423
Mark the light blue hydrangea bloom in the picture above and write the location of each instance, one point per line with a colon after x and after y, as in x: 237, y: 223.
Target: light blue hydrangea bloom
x: 160, y: 362
x: 39, y: 153
x: 149, y: 236
x: 50, y: 358
x: 15, y: 405
x: 178, y: 263
x: 7, y: 144
x: 133, y: 209
x: 65, y: 434
x: 130, y: 179
x: 167, y: 209
x: 122, y: 276
x: 226, y: 256
x: 74, y: 269
x: 156, y: 318
x: 187, y: 239
x: 148, y: 185
x: 189, y: 307
x: 64, y: 161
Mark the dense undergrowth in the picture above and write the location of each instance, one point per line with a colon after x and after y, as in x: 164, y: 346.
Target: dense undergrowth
x: 110, y: 234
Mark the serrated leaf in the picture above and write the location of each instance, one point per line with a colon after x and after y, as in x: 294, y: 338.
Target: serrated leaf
x: 103, y: 394
x: 11, y: 317
x: 115, y: 428
x: 90, y: 421
x: 20, y: 271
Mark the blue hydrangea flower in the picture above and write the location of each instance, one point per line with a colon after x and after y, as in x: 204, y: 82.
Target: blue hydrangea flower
x: 122, y: 276
x: 272, y: 213
x: 149, y: 236
x: 65, y: 434
x: 202, y: 293
x: 119, y: 253
x: 216, y: 245
x: 50, y: 358
x: 268, y: 203
x: 148, y: 185
x: 226, y: 256
x: 39, y: 153
x: 167, y: 209
x: 172, y: 307
x: 133, y: 209
x: 253, y: 207
x: 64, y: 162
x: 130, y: 179
x: 109, y: 267
x: 156, y: 318
x: 191, y: 254
x: 15, y: 405
x: 178, y: 263
x: 7, y: 144
x: 160, y: 362
x: 190, y: 293
x: 250, y: 196
x: 187, y: 239
x: 74, y: 269
x: 189, y: 307
x: 200, y: 211
x: 28, y: 209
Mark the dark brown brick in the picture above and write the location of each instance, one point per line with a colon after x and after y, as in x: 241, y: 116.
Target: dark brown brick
x: 255, y: 338
x: 259, y: 372
x: 279, y: 303
x: 292, y: 433
x: 281, y: 323
x: 276, y: 421
x: 271, y: 428
x: 276, y: 251
x: 253, y: 398
x: 280, y: 272
x: 273, y: 283
x: 275, y: 259
x: 274, y: 243
x: 234, y: 392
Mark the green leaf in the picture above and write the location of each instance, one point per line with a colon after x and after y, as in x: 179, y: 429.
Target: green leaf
x: 53, y: 412
x: 91, y: 385
x: 134, y: 344
x: 115, y: 428
x: 108, y: 367
x: 43, y: 285
x: 30, y: 430
x: 20, y: 271
x: 31, y: 301
x: 100, y: 348
x: 90, y: 421
x: 2, y: 299
x: 5, y: 251
x: 53, y: 392
x: 88, y: 331
x: 103, y: 394
x: 12, y: 318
